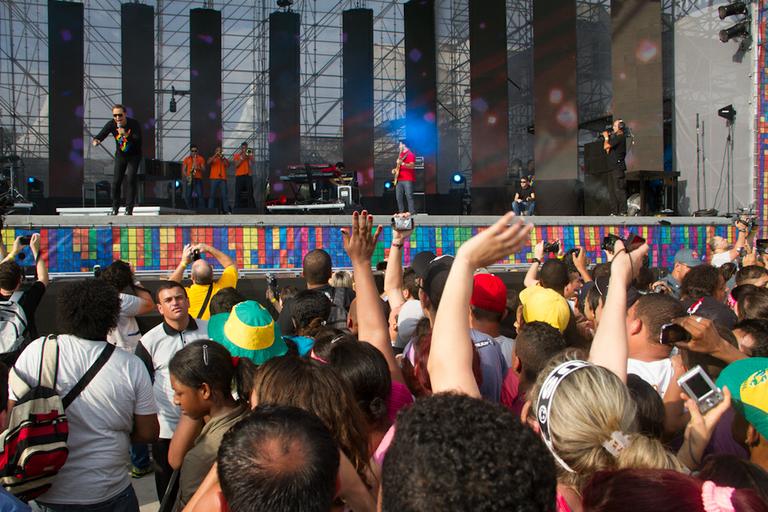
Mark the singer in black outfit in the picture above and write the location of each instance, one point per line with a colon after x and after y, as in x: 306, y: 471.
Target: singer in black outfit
x: 127, y: 134
x: 615, y: 146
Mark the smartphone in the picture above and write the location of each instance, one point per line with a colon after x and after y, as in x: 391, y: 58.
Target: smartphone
x: 402, y: 223
x: 673, y: 333
x: 25, y: 240
x: 272, y: 284
x: 697, y: 385
x: 196, y: 255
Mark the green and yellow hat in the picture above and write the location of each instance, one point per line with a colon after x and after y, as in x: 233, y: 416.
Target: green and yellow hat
x: 747, y: 379
x: 248, y: 331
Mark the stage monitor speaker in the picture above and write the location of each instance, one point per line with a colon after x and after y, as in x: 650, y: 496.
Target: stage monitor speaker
x: 284, y: 94
x: 205, y: 79
x: 65, y: 109
x: 358, y: 96
x: 421, y: 86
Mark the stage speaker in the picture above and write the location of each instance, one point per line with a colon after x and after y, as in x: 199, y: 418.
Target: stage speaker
x: 598, y: 199
x: 138, y: 69
x: 205, y: 79
x: 65, y: 109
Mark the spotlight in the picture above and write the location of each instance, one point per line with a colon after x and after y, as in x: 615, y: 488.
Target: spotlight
x: 728, y: 113
x: 388, y: 185
x: 34, y: 188
x: 458, y: 178
x: 177, y: 184
x: 741, y: 29
x: 172, y: 106
x: 731, y: 9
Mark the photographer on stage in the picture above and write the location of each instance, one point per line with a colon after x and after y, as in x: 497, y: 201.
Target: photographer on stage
x: 615, y: 146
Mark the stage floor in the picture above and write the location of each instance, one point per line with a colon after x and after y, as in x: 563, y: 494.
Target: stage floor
x: 270, y: 243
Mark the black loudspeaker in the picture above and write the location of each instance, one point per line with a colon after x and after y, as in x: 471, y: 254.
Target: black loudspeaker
x: 65, y: 110
x: 205, y: 79
x: 598, y: 198
x: 358, y: 96
x: 421, y: 86
x: 138, y: 69
x: 284, y: 93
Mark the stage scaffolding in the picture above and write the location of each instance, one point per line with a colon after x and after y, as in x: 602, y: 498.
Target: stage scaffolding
x: 24, y: 80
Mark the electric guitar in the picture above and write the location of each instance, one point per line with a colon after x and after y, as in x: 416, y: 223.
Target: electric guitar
x: 396, y: 172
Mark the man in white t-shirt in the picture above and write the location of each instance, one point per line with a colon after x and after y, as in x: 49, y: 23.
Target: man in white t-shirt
x: 116, y: 408
x: 722, y: 251
x: 156, y: 349
x: 651, y: 360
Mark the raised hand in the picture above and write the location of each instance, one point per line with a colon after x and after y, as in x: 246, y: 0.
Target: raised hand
x: 506, y: 236
x: 360, y: 240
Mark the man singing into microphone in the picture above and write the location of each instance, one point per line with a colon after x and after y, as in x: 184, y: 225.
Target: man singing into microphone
x: 615, y: 146
x: 127, y: 134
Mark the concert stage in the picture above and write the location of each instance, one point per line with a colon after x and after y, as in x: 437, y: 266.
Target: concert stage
x: 269, y: 243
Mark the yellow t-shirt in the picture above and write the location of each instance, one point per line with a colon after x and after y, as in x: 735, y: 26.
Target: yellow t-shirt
x: 197, y: 292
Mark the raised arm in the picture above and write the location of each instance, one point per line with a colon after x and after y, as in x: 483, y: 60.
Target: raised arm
x: 580, y: 262
x: 359, y: 243
x: 609, y: 346
x: 393, y: 276
x: 15, y: 250
x: 531, y: 277
x: 186, y: 259
x: 450, y: 358
x: 40, y: 266
x: 223, y: 258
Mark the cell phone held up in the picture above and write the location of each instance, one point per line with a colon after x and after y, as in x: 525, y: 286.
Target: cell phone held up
x: 673, y: 333
x: 402, y: 223
x: 699, y: 386
x: 25, y: 240
x: 196, y: 255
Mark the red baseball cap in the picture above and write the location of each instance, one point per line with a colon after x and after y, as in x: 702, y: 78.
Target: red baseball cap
x: 489, y: 293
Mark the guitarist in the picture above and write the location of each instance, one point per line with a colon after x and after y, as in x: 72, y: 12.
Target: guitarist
x: 403, y: 178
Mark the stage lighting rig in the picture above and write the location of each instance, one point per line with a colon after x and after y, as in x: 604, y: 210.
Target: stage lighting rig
x: 731, y: 9
x: 457, y: 178
x: 285, y: 4
x: 741, y: 29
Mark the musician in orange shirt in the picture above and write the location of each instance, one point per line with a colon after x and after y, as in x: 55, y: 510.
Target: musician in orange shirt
x: 192, y: 171
x: 218, y: 165
x: 243, y: 180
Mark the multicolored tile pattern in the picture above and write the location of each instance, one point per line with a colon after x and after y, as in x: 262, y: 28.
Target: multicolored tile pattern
x: 761, y: 128
x: 159, y: 248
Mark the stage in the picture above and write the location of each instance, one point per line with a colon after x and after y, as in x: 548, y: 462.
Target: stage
x: 277, y: 243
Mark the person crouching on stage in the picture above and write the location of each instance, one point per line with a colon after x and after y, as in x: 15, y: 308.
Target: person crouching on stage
x: 525, y: 197
x: 615, y: 146
x: 218, y: 165
x: 192, y: 170
x: 127, y: 134
x: 404, y: 176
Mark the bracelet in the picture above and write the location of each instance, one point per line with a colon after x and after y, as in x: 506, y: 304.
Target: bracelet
x: 536, y: 260
x: 400, y: 245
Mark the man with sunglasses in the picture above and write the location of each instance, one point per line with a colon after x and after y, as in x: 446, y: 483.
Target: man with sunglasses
x: 127, y: 134
x: 525, y: 198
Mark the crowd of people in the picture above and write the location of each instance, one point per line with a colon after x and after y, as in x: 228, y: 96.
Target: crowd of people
x: 438, y: 387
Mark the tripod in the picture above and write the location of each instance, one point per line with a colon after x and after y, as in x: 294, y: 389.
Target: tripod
x: 11, y: 166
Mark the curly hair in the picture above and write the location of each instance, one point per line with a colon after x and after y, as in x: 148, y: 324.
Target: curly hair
x: 88, y: 308
x: 458, y: 453
x: 311, y: 309
x: 700, y: 281
x: 316, y: 388
x: 118, y: 274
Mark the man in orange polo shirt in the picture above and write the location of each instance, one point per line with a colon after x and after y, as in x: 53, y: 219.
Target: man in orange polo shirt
x: 192, y: 172
x: 218, y: 165
x: 243, y: 180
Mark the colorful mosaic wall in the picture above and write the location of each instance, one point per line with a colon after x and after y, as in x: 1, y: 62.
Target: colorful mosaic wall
x: 159, y: 248
x: 761, y: 132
